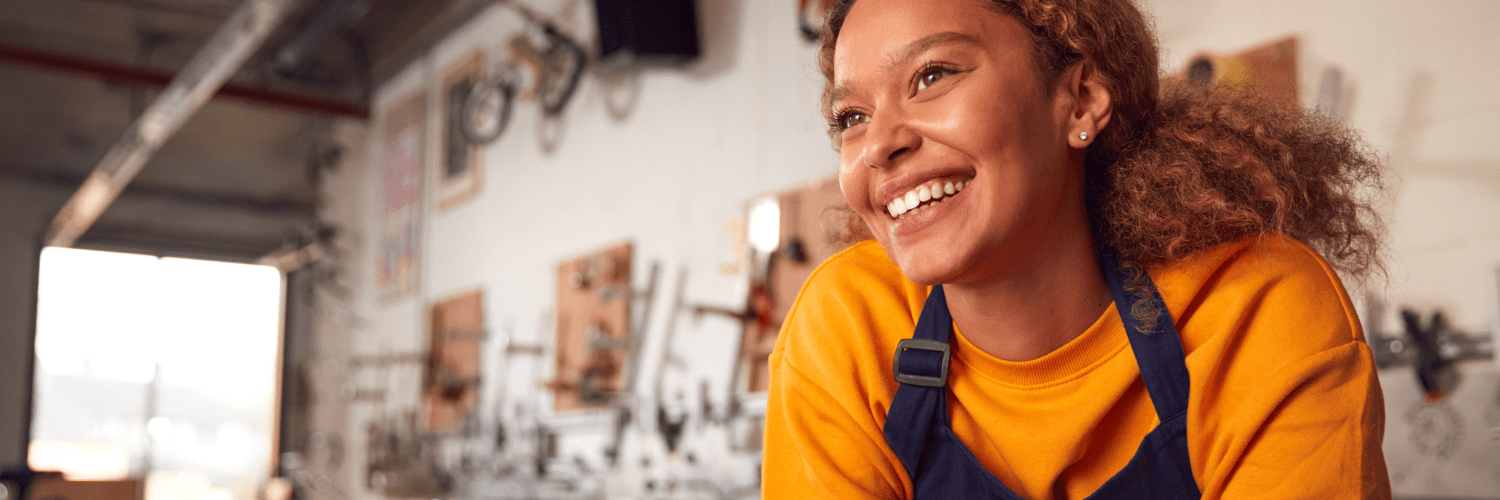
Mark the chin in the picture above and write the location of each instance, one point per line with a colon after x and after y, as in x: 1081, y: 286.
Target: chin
x: 927, y: 267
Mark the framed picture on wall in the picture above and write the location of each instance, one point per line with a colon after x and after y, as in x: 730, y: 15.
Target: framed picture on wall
x: 460, y: 171
x: 403, y: 131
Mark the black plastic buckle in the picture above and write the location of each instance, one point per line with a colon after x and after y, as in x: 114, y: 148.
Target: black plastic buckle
x: 925, y: 345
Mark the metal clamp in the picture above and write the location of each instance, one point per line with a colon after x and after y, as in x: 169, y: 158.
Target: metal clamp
x: 925, y: 345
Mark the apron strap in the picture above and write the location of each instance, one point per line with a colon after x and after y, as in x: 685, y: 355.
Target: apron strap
x: 923, y: 359
x: 919, y: 409
x: 1153, y: 337
x: 922, y: 368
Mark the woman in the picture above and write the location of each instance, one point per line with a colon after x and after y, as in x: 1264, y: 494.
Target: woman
x: 1097, y: 284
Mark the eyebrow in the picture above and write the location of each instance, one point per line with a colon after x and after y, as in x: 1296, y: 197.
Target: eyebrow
x: 907, y: 53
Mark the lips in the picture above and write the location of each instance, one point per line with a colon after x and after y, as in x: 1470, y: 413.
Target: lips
x: 922, y: 196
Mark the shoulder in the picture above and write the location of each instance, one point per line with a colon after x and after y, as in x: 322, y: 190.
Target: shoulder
x: 1277, y: 360
x: 858, y: 277
x: 862, y: 263
x: 830, y: 381
x: 851, y: 311
x: 1268, y: 289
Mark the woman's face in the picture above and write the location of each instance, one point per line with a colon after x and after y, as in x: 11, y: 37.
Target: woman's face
x: 932, y: 94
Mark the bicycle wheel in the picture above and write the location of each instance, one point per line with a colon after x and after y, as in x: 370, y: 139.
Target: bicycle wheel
x: 565, y: 60
x: 486, y: 111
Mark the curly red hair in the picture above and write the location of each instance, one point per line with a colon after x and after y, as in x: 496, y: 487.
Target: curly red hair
x: 1184, y: 167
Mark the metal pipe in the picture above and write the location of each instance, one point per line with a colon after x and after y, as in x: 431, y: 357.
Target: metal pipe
x: 224, y: 52
x: 133, y: 75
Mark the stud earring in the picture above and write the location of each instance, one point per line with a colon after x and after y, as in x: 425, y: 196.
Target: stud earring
x: 1083, y: 136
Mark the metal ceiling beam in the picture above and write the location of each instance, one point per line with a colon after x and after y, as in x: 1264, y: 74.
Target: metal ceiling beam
x: 133, y: 75
x: 435, y: 20
x: 170, y: 7
x: 270, y: 207
x: 224, y: 52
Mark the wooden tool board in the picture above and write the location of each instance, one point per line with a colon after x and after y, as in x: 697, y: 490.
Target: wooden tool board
x: 593, y: 294
x: 450, y: 387
x: 813, y: 222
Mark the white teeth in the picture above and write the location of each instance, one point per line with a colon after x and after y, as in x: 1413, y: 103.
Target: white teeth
x: 912, y: 201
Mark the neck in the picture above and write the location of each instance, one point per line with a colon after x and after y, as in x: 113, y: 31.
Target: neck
x: 1035, y: 305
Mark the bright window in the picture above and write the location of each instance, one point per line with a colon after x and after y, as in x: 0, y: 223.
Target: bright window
x: 156, y: 368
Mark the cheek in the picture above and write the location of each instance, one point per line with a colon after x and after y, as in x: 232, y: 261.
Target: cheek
x: 986, y: 130
x: 852, y: 183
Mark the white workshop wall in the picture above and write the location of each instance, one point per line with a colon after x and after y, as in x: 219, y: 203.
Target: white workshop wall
x: 1421, y: 76
x: 703, y: 139
x: 699, y: 142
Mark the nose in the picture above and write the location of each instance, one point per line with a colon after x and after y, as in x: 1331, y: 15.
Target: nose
x: 887, y: 139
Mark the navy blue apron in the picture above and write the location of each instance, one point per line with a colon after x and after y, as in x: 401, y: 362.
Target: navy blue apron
x: 941, y: 467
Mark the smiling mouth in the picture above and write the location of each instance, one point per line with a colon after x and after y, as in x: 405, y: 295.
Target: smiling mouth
x: 923, y: 196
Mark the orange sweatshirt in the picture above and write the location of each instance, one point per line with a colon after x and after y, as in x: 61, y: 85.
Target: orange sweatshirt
x: 1284, y: 404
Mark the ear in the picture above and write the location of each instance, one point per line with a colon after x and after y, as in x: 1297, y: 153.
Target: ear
x: 1091, y: 104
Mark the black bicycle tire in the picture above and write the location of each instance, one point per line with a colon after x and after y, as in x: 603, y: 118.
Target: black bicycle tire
x: 561, y: 43
x: 507, y: 102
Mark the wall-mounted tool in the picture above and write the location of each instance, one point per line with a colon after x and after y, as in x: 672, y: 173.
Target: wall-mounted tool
x: 1437, y: 347
x: 671, y: 421
x: 557, y: 63
x: 401, y: 462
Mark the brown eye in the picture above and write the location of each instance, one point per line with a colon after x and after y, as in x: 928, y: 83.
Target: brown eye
x: 930, y: 76
x: 849, y: 119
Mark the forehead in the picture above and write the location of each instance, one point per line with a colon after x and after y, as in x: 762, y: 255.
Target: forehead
x: 876, y: 32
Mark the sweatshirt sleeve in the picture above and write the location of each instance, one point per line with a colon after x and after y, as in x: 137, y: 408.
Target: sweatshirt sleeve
x: 825, y: 409
x: 1291, y: 407
x: 1321, y: 440
x: 814, y: 448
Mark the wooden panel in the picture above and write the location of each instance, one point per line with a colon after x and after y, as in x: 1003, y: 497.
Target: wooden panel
x: 813, y: 219
x: 1270, y: 68
x: 593, y: 327
x: 451, y: 380
x: 62, y: 489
